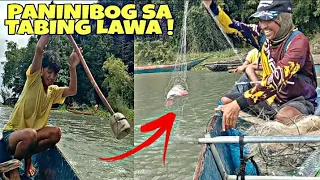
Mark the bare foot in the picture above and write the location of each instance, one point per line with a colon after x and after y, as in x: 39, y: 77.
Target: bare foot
x: 29, y: 169
x: 14, y: 174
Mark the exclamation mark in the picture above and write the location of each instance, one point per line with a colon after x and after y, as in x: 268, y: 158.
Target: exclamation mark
x: 170, y: 26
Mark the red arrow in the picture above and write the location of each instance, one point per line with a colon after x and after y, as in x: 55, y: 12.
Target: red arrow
x: 163, y: 124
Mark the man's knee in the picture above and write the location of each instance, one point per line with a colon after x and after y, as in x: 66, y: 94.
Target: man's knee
x: 29, y: 136
x: 55, y: 134
x: 25, y: 138
x: 226, y: 100
x: 287, y: 115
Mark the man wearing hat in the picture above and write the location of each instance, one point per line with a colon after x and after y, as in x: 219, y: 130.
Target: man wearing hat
x: 289, y: 81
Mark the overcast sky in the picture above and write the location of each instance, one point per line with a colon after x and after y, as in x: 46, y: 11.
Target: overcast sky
x: 22, y: 40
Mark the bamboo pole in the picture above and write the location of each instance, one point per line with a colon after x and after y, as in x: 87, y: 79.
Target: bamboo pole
x: 93, y: 82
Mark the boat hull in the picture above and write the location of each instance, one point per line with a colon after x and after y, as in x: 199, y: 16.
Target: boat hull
x: 50, y: 164
x: 207, y: 166
x: 80, y: 112
x: 217, y: 67
x: 167, y: 68
x: 229, y: 155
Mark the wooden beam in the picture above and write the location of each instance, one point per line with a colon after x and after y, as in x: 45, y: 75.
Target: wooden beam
x: 9, y: 165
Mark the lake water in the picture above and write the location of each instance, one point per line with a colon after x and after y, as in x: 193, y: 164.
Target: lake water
x: 193, y: 113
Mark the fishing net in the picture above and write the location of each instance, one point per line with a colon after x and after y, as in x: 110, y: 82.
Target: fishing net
x: 200, y: 37
x: 191, y: 111
x: 179, y: 75
x: 224, y: 34
x: 283, y: 158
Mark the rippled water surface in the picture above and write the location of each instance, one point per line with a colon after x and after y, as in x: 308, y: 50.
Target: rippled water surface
x: 193, y: 113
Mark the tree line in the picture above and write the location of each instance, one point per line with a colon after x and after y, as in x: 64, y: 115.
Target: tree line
x: 203, y: 35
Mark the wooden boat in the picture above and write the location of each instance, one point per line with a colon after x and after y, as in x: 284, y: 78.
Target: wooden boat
x: 227, y: 65
x: 167, y: 68
x: 220, y: 152
x: 50, y: 164
x: 217, y: 67
x: 222, y: 65
x: 76, y: 108
x: 80, y: 112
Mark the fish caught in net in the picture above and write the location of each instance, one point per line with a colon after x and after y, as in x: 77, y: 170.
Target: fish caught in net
x: 178, y: 82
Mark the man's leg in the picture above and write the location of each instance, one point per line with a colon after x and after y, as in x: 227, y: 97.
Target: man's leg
x: 228, y: 98
x: 287, y: 114
x: 296, y: 107
x: 241, y: 88
x: 47, y: 137
x: 251, y: 73
x: 20, y: 143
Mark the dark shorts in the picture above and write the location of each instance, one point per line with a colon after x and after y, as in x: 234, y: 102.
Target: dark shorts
x: 264, y: 110
x: 5, y: 137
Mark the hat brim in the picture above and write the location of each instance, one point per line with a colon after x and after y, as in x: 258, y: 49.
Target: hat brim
x: 265, y: 15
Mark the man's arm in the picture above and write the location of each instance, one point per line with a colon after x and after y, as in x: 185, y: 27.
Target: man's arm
x: 73, y: 62
x: 251, y: 72
x: 250, y: 58
x: 250, y: 33
x: 72, y: 89
x: 245, y: 65
x: 291, y: 63
x: 37, y: 59
x: 242, y: 68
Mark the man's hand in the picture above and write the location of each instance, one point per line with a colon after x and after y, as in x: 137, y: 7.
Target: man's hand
x: 230, y: 115
x: 73, y: 62
x: 241, y: 69
x: 233, y: 70
x: 37, y: 59
x: 74, y: 59
x: 207, y: 3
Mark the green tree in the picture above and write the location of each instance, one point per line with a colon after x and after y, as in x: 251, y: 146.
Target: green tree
x: 306, y: 15
x: 18, y: 61
x: 118, y: 83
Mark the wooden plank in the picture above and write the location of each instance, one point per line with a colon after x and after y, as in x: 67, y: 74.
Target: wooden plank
x: 9, y: 165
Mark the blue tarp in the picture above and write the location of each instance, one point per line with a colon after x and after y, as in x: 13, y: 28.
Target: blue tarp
x: 229, y: 154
